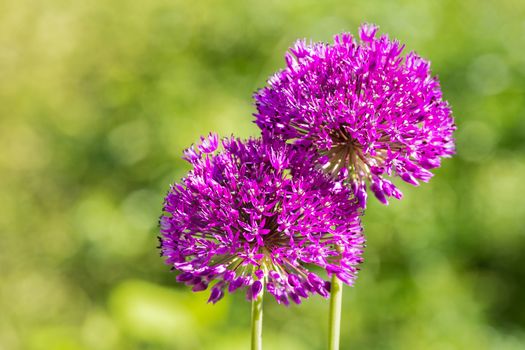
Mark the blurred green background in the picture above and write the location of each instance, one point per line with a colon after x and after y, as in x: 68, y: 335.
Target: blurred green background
x: 97, y: 101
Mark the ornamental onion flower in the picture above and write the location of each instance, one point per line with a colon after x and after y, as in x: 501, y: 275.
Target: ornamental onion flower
x: 255, y: 216
x: 367, y: 109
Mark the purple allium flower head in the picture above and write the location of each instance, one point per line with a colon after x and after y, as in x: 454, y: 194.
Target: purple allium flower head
x: 368, y: 110
x: 257, y: 216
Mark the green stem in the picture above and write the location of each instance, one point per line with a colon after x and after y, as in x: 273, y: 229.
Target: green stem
x: 257, y: 318
x: 334, y: 326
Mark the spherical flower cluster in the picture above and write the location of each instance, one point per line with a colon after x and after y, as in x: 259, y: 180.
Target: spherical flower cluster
x: 259, y: 216
x: 367, y: 110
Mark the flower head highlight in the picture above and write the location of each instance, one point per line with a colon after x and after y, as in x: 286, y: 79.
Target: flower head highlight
x: 255, y: 215
x: 368, y: 110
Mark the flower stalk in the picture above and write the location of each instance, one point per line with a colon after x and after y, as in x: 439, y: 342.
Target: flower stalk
x: 334, y: 322
x: 257, y: 319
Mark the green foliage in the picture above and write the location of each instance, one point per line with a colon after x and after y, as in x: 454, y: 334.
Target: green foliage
x: 98, y: 99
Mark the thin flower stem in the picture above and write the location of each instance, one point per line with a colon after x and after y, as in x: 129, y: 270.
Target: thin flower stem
x: 334, y: 326
x: 257, y: 319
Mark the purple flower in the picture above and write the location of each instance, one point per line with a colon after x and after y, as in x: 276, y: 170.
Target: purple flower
x: 257, y: 216
x: 368, y: 110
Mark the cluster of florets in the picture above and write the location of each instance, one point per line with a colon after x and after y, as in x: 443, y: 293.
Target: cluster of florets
x: 366, y: 109
x: 256, y: 214
x: 262, y: 214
